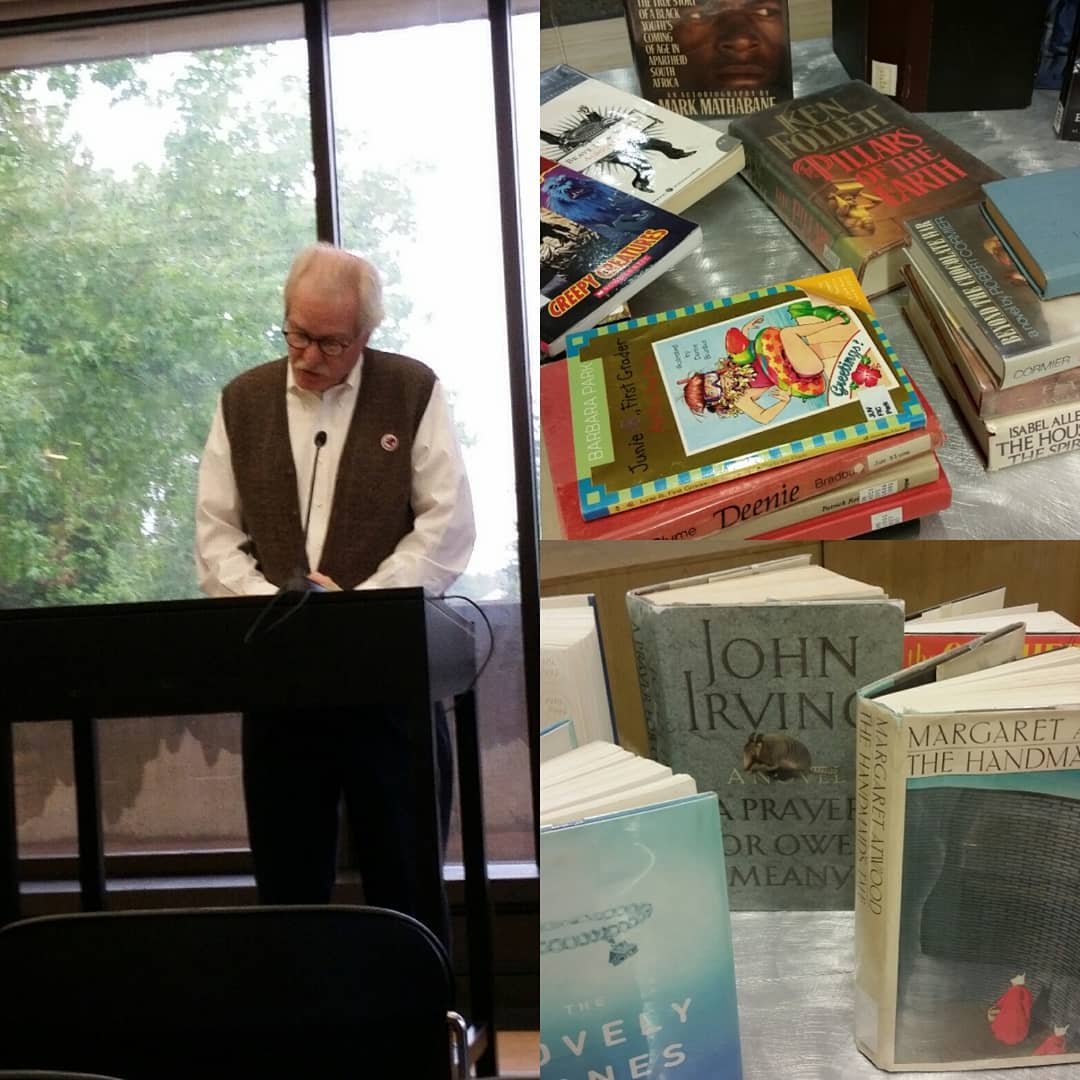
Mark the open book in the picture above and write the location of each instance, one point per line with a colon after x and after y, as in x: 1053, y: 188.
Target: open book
x: 955, y: 622
x: 968, y: 823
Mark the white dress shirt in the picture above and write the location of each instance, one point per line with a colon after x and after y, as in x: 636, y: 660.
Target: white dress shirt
x: 432, y: 555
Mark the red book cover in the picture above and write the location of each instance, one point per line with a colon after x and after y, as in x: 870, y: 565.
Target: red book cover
x: 712, y: 509
x: 923, y: 644
x: 844, y: 167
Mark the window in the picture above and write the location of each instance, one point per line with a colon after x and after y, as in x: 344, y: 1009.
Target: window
x: 155, y: 181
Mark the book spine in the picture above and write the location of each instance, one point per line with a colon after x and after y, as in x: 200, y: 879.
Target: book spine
x: 1067, y: 115
x: 645, y: 661
x: 1032, y: 436
x: 983, y: 322
x: 745, y: 511
x: 896, y: 60
x: 880, y: 513
x: 878, y: 828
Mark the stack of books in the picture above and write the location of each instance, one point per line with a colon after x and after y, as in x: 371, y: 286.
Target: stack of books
x: 780, y: 413
x: 995, y: 302
x: 615, y: 171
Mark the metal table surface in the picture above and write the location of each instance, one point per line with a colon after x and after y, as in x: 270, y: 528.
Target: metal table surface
x: 795, y: 976
x: 746, y: 246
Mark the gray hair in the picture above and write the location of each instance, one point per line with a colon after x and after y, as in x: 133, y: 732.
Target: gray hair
x: 336, y: 269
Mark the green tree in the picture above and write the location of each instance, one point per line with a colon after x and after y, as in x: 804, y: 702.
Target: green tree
x: 127, y: 302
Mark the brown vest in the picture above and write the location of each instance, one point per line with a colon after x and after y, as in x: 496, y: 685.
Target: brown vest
x: 370, y: 512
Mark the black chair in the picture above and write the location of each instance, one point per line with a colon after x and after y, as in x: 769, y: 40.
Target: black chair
x: 311, y: 991
x: 50, y: 1074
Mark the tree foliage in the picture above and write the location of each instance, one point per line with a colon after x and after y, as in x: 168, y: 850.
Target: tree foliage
x: 126, y: 303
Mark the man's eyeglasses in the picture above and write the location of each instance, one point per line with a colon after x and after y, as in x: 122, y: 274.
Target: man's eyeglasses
x: 297, y: 339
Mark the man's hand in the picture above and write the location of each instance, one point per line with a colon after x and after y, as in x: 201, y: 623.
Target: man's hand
x: 328, y: 583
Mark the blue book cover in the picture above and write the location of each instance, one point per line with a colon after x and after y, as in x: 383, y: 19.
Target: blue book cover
x: 1036, y: 218
x: 598, y: 247
x: 636, y: 970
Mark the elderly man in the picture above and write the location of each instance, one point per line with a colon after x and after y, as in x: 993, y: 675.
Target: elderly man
x: 390, y: 507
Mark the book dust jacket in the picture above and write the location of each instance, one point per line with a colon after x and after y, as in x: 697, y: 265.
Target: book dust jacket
x: 756, y: 703
x: 636, y: 971
x: 845, y: 166
x: 710, y: 58
x: 968, y: 893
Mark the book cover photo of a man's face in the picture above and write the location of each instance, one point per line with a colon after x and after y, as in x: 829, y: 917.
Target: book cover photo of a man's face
x: 733, y: 45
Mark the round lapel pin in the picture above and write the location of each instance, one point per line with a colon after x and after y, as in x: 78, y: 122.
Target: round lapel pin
x: 389, y: 442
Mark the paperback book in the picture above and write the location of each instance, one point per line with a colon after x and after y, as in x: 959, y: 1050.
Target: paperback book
x: 989, y: 398
x: 963, y: 262
x: 881, y: 512
x: 968, y: 820
x: 1035, y: 217
x: 636, y: 969
x: 843, y: 167
x: 598, y: 246
x: 711, y: 59
x: 1006, y: 440
x: 747, y: 680
x: 629, y: 143
x: 573, y: 673
x: 747, y: 504
x: 668, y: 403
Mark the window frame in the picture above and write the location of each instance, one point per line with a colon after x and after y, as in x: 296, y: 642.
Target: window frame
x: 69, y: 16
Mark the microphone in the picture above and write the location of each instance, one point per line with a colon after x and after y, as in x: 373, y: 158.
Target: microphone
x: 300, y: 582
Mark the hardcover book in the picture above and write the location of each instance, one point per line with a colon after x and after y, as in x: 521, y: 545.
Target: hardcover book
x: 629, y: 143
x: 843, y: 167
x: 968, y: 820
x: 598, y: 246
x: 668, y: 403
x: 1035, y: 216
x: 990, y: 399
x: 636, y: 969
x: 717, y: 58
x: 1067, y: 113
x: 933, y: 57
x: 1005, y: 440
x: 1020, y: 336
x: 1045, y: 630
x: 747, y: 681
x: 746, y: 503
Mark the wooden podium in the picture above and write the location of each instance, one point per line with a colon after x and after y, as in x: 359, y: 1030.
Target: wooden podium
x: 330, y: 650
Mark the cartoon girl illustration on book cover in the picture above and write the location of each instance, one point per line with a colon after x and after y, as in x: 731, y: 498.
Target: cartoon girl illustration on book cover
x: 785, y: 363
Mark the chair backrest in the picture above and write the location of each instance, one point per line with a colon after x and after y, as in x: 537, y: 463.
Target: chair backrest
x: 328, y: 991
x: 50, y: 1074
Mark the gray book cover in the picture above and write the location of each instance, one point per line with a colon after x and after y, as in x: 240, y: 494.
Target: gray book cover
x: 756, y: 702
